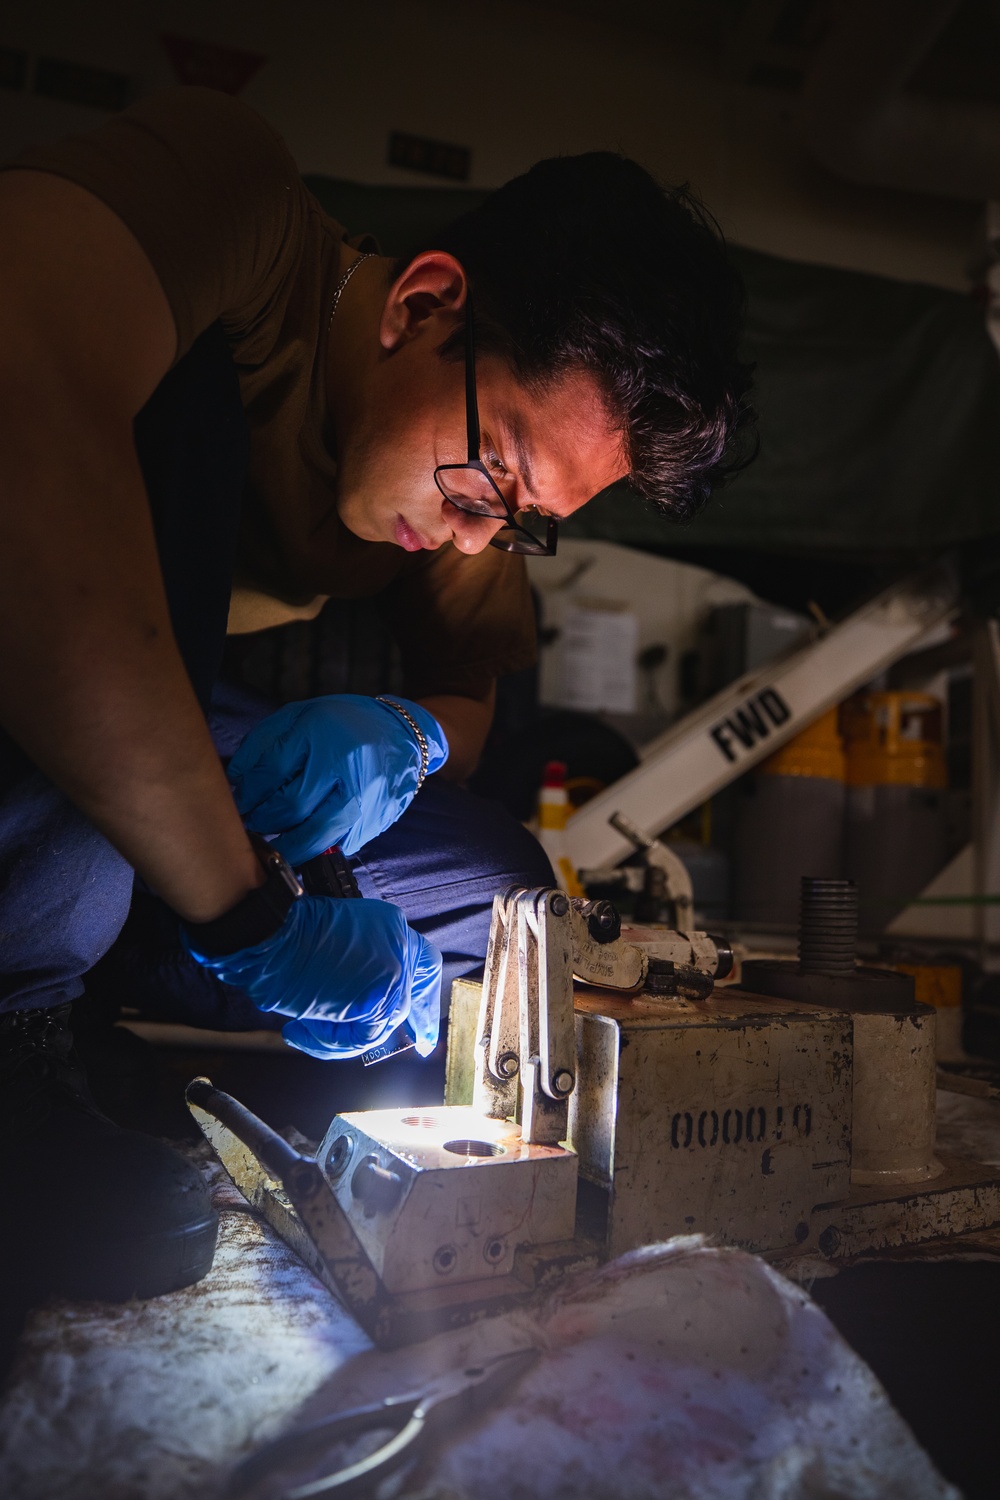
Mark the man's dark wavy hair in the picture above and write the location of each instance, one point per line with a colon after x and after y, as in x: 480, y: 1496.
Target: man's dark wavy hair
x: 585, y: 262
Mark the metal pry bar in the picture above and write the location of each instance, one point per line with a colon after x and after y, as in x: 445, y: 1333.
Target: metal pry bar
x: 290, y: 1191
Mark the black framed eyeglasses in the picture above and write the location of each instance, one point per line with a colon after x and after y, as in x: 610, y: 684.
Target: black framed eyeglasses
x: 470, y: 487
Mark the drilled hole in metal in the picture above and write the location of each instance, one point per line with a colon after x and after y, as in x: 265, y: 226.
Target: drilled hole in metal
x: 474, y: 1148
x: 339, y: 1155
x: 445, y: 1259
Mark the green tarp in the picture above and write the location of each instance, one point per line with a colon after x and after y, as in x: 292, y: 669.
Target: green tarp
x: 879, y: 405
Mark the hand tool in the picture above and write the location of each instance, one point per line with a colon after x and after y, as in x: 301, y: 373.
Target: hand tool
x: 412, y: 1418
x: 329, y: 874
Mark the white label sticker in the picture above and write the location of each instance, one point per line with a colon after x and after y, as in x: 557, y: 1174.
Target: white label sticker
x: 599, y: 647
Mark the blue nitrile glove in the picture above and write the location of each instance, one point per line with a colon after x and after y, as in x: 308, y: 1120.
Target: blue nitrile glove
x: 335, y: 770
x: 348, y: 972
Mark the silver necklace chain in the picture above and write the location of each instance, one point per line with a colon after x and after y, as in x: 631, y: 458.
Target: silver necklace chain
x: 339, y: 288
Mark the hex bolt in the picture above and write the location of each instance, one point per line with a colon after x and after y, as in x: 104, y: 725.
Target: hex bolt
x: 445, y: 1259
x: 563, y: 1081
x: 828, y: 926
x: 508, y: 1065
x: 375, y: 1186
x: 604, y: 921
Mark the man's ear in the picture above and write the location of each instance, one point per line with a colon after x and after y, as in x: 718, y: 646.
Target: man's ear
x: 429, y: 295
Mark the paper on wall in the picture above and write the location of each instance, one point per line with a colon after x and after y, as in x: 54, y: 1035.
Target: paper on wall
x: 600, y: 642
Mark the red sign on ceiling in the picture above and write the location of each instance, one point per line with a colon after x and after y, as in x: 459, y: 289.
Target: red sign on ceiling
x: 209, y: 65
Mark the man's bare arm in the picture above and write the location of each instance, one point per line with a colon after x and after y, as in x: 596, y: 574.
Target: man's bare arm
x: 91, y: 682
x: 251, y: 610
x: 466, y: 723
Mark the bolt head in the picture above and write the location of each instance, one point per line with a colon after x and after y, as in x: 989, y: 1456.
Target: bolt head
x: 603, y: 921
x: 558, y: 904
x: 377, y: 1188
x: 445, y: 1259
x: 563, y: 1082
x: 508, y: 1065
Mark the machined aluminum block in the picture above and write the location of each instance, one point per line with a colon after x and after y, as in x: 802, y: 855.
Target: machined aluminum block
x: 443, y: 1196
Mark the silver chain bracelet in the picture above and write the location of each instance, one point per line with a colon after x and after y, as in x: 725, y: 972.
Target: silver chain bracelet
x: 425, y: 753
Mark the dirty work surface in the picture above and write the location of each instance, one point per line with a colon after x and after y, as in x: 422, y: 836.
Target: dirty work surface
x: 683, y: 1372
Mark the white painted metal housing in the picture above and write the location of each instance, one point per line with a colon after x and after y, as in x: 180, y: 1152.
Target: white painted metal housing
x: 755, y: 715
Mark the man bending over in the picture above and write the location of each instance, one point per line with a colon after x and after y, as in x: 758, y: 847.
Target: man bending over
x: 216, y: 406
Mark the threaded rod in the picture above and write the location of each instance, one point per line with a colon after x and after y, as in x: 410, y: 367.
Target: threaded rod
x: 828, y: 926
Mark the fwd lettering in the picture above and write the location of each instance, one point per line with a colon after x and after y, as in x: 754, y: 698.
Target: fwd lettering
x: 751, y: 722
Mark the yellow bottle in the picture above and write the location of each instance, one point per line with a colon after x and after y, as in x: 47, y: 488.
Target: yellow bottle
x: 553, y: 813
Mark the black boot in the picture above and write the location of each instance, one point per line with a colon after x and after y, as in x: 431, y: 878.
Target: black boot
x: 91, y: 1210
